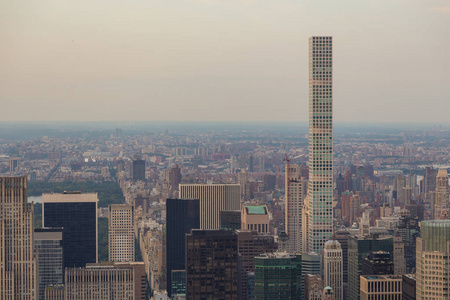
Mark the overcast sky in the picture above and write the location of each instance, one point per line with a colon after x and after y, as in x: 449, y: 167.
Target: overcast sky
x: 223, y: 60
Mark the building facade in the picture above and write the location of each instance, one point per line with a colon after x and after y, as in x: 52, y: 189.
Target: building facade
x: 388, y: 287
x: 213, y: 199
x: 277, y: 276
x: 255, y: 218
x: 320, y: 186
x: 106, y: 281
x: 295, y: 193
x: 77, y: 214
x: 182, y: 215
x: 250, y: 245
x: 121, y: 232
x: 18, y: 278
x: 211, y: 265
x: 358, y: 248
x: 333, y: 268
x: 433, y: 260
x: 48, y: 246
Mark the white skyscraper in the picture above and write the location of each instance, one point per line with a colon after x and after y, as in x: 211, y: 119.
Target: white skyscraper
x: 121, y: 232
x: 333, y: 268
x: 213, y: 199
x: 320, y: 186
x: 295, y: 192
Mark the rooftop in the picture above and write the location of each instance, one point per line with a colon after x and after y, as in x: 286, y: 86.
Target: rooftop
x: 256, y: 209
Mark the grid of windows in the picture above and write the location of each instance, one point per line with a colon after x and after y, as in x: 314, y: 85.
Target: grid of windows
x: 320, y: 189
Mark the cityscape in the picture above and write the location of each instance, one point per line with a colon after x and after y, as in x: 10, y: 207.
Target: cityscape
x: 201, y: 209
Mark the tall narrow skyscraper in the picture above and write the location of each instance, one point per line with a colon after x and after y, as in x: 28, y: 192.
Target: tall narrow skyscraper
x: 333, y: 268
x: 295, y: 192
x: 320, y: 187
x: 121, y: 232
x: 17, y: 261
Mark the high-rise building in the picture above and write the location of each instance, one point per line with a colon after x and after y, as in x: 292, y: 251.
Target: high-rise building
x: 14, y: 164
x: 358, y: 248
x: 381, y: 287
x: 255, y: 217
x: 178, y: 283
x: 138, y: 169
x: 230, y: 219
x: 213, y: 199
x: 277, y: 276
x: 320, y: 186
x: 433, y: 260
x: 430, y: 179
x: 399, y: 256
x: 295, y: 192
x: 77, y: 214
x: 333, y: 268
x: 17, y: 262
x: 341, y: 236
x: 250, y: 245
x: 313, y: 287
x: 377, y: 263
x: 328, y: 293
x: 409, y: 230
x: 175, y: 178
x: 48, y: 246
x: 310, y: 264
x: 121, y: 232
x: 108, y: 280
x: 182, y: 215
x: 408, y: 286
x: 211, y: 265
x: 441, y: 209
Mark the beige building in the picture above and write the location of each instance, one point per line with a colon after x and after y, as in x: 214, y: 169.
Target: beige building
x: 333, y: 268
x: 18, y: 278
x: 441, y: 206
x: 106, y: 281
x: 433, y: 260
x: 255, y: 218
x: 295, y: 192
x: 214, y: 198
x: 121, y: 232
x: 399, y: 256
x: 381, y: 287
x: 313, y: 287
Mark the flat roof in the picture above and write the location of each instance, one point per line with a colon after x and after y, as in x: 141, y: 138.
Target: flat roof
x: 69, y: 197
x: 256, y: 209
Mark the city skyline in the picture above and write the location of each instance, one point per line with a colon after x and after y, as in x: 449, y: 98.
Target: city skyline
x: 181, y: 61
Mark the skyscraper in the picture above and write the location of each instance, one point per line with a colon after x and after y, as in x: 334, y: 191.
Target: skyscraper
x: 121, y: 232
x: 409, y: 230
x: 182, y: 215
x: 441, y: 210
x: 320, y: 186
x: 138, y: 169
x: 295, y: 192
x: 433, y: 260
x: 277, y: 276
x: 48, y: 244
x: 17, y: 261
x: 213, y: 199
x: 77, y: 214
x: 211, y: 265
x: 250, y: 245
x: 358, y: 248
x: 333, y: 268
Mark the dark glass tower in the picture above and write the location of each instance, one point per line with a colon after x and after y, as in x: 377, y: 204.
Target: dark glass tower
x: 409, y: 229
x: 77, y: 214
x: 182, y: 215
x: 138, y: 169
x: 211, y: 265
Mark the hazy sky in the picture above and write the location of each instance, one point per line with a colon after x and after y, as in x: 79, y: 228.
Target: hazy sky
x: 222, y: 60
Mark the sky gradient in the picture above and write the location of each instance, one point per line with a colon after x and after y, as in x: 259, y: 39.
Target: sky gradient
x: 221, y: 60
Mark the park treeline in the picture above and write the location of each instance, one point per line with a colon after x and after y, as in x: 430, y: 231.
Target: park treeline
x: 108, y: 192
